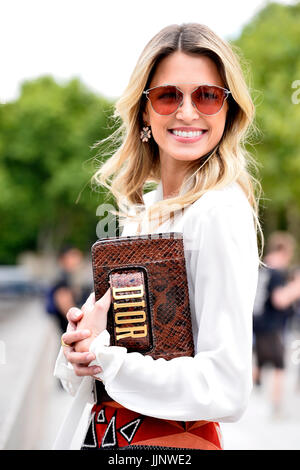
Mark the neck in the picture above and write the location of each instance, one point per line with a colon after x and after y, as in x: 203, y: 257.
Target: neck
x: 172, y: 175
x: 173, y: 172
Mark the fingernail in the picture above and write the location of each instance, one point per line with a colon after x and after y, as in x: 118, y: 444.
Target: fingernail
x: 90, y: 356
x: 86, y: 332
x: 77, y: 314
x: 97, y: 370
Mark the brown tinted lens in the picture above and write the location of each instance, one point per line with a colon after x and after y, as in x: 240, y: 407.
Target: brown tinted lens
x: 208, y: 99
x: 165, y: 99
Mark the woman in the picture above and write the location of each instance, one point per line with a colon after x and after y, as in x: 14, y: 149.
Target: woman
x: 185, y: 113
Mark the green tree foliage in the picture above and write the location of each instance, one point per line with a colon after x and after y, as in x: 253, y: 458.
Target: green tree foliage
x: 46, y: 137
x: 46, y: 162
x: 270, y: 43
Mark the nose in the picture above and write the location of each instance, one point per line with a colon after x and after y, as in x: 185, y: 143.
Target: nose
x: 187, y: 110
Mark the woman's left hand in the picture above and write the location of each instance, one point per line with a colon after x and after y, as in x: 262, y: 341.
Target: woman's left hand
x: 94, y: 319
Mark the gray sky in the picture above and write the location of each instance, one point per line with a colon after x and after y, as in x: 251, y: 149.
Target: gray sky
x: 98, y: 41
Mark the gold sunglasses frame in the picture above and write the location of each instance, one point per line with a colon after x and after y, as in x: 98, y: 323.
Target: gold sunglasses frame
x: 227, y: 93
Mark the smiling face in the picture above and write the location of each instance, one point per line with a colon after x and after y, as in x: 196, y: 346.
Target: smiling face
x: 186, y: 71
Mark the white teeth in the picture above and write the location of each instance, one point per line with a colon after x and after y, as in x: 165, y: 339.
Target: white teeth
x: 187, y: 134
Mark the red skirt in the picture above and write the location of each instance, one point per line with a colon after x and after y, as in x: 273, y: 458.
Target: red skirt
x: 112, y: 426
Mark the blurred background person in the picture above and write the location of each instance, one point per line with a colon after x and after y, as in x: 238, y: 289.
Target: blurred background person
x: 67, y: 289
x: 296, y: 329
x: 273, y: 308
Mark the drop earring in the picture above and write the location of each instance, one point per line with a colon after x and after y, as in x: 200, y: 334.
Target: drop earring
x: 145, y: 134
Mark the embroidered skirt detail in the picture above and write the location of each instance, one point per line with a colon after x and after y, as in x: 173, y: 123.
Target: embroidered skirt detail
x: 114, y: 427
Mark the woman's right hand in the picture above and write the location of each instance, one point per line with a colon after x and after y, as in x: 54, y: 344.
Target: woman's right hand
x: 79, y: 360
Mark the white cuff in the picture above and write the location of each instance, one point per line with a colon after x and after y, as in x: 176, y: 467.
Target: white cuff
x: 64, y: 371
x: 109, y: 358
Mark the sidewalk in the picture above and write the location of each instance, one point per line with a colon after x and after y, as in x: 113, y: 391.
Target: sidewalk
x: 28, y: 339
x: 258, y: 429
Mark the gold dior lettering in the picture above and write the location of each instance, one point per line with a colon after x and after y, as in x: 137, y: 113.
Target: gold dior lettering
x: 129, y: 331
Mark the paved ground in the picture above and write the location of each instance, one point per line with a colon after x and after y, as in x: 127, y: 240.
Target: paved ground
x: 28, y: 340
x: 259, y: 429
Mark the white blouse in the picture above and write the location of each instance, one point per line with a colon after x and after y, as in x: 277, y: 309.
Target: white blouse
x: 222, y: 268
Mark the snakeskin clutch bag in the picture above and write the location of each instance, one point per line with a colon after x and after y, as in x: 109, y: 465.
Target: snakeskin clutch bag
x: 150, y: 311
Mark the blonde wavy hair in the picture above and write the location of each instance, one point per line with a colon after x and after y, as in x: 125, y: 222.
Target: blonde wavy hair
x: 133, y: 165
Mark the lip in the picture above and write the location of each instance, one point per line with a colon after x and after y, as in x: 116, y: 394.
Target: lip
x: 187, y: 140
x: 187, y: 129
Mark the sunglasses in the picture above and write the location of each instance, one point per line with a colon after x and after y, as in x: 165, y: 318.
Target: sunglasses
x: 207, y: 99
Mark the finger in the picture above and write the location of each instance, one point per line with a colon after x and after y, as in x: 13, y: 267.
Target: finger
x: 67, y: 350
x: 103, y: 304
x: 83, y: 370
x: 80, y: 358
x: 73, y: 336
x: 89, y: 303
x: 74, y: 314
x: 71, y: 326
